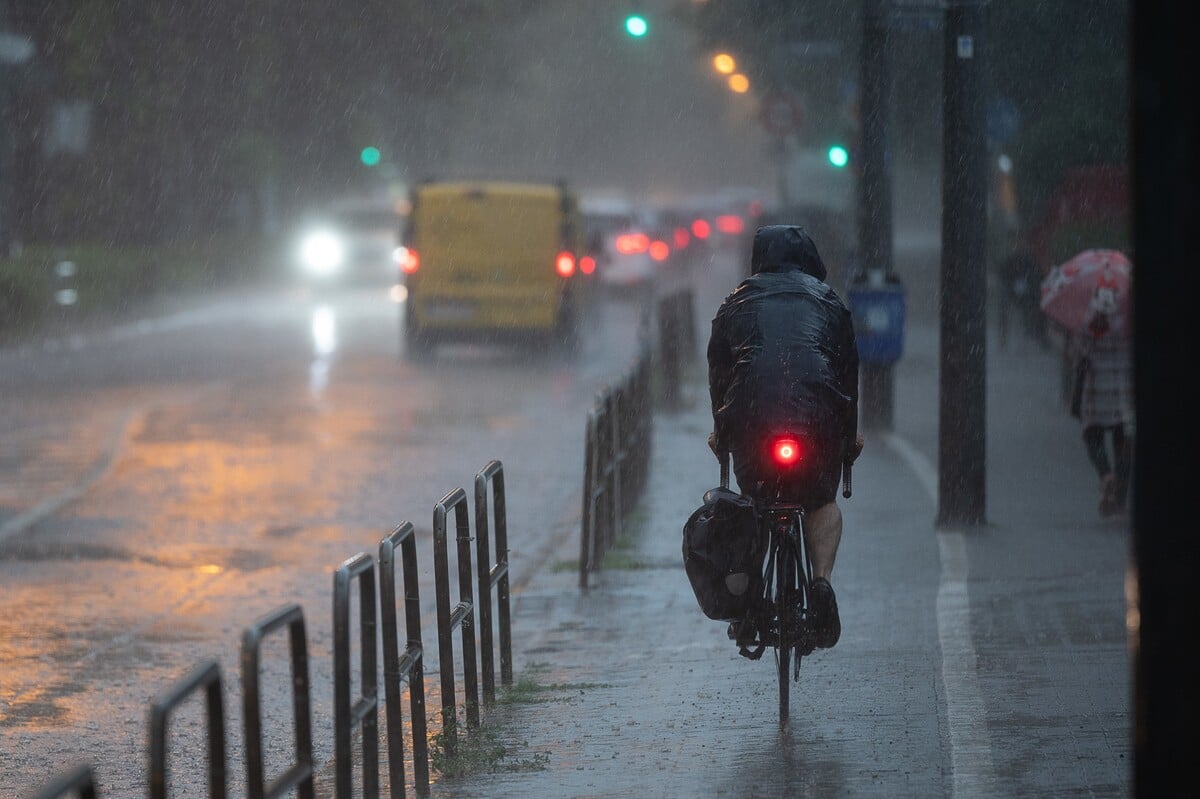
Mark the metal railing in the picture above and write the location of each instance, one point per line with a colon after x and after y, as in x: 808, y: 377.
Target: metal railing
x: 399, y: 665
x: 493, y: 577
x: 365, y: 709
x: 299, y: 776
x: 457, y: 617
x: 205, y: 677
x: 676, y: 344
x: 616, y: 458
x: 407, y: 665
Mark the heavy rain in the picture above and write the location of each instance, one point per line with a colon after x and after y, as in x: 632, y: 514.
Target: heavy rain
x: 312, y: 304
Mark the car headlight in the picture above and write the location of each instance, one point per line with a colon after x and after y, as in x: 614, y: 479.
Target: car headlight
x: 322, y: 253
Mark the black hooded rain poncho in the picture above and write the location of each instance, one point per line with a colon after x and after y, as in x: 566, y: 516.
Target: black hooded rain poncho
x: 782, y: 356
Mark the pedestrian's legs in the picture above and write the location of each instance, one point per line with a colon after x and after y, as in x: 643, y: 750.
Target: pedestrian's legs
x: 1093, y: 439
x: 822, y: 534
x: 1123, y: 456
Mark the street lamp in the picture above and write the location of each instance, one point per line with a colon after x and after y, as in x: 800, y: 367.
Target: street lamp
x: 739, y: 83
x: 724, y: 63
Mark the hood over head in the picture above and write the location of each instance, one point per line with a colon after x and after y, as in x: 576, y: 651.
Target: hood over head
x: 782, y: 248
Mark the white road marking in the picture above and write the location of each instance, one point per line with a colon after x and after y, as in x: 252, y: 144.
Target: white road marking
x: 973, y: 773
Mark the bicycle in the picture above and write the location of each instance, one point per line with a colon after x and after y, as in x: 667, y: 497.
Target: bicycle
x: 782, y: 621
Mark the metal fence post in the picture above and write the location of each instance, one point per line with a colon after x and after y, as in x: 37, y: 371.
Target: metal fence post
x: 206, y: 677
x: 410, y: 664
x: 365, y: 709
x: 493, y: 576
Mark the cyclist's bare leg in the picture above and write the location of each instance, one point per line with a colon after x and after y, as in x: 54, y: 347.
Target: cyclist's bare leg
x: 823, y: 533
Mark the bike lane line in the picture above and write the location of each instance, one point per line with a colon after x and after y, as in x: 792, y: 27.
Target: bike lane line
x: 966, y: 715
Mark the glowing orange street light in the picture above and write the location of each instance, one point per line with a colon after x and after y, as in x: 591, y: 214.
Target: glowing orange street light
x: 739, y: 83
x: 724, y: 63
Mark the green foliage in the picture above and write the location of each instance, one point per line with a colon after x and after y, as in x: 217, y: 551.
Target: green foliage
x: 201, y: 104
x: 110, y: 280
x: 480, y: 751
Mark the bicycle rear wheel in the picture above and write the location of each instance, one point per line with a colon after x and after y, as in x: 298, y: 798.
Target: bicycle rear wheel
x: 785, y: 573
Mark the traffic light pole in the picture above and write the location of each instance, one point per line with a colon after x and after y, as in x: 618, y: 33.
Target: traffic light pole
x: 962, y: 420
x: 876, y: 389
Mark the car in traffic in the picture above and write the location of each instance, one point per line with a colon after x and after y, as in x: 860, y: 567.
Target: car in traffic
x: 627, y: 243
x: 350, y: 242
x: 489, y: 261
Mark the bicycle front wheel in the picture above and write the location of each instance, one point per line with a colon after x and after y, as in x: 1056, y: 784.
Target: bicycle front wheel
x: 784, y: 607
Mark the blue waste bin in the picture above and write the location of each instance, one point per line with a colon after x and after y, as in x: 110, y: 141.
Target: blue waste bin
x: 878, y: 311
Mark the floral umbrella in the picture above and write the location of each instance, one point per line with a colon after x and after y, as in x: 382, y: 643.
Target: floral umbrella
x: 1094, y: 286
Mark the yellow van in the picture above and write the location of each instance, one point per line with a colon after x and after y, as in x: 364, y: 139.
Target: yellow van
x: 493, y: 261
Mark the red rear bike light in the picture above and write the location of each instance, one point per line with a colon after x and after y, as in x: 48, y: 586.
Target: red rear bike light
x: 786, y: 451
x: 564, y: 264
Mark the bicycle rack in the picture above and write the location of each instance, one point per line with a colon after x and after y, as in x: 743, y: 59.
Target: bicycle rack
x: 410, y: 664
x: 206, y: 677
x: 459, y: 616
x: 493, y: 576
x: 299, y: 776
x: 365, y: 709
x: 79, y: 781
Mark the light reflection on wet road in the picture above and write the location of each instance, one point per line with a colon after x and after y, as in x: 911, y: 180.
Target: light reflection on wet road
x: 260, y: 441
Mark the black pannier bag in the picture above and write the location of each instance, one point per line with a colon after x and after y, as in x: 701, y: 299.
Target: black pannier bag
x: 720, y: 539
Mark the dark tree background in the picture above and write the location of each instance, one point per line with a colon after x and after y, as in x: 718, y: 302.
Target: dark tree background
x: 218, y: 115
x: 262, y: 103
x: 1063, y: 66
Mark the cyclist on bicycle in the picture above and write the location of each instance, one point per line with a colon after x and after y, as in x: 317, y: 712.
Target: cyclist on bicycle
x: 782, y: 358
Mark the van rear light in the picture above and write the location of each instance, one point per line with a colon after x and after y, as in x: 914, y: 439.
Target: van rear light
x: 587, y: 264
x: 564, y: 264
x: 659, y: 250
x: 632, y: 243
x: 408, y: 259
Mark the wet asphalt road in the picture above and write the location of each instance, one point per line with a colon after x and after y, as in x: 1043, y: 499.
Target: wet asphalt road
x: 165, y: 482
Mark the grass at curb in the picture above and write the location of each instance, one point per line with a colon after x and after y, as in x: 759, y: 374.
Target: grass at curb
x: 493, y: 748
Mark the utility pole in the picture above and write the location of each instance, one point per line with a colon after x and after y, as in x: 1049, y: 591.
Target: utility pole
x: 962, y: 425
x: 876, y: 295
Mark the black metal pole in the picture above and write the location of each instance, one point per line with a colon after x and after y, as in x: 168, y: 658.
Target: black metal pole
x: 876, y: 390
x: 1163, y: 616
x: 962, y: 428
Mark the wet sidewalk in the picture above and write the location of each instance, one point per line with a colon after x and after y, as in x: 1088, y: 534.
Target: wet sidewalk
x: 626, y: 689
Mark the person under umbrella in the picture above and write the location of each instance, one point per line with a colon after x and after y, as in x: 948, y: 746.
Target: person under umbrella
x: 1102, y: 398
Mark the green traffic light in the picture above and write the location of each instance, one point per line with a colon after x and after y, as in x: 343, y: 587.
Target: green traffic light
x: 636, y: 25
x: 370, y: 156
x: 838, y: 155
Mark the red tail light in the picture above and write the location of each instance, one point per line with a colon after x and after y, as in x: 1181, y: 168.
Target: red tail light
x: 786, y: 451
x: 682, y: 237
x: 408, y: 259
x: 659, y: 250
x: 730, y: 224
x: 587, y: 264
x: 701, y: 228
x: 564, y: 264
x: 632, y: 243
